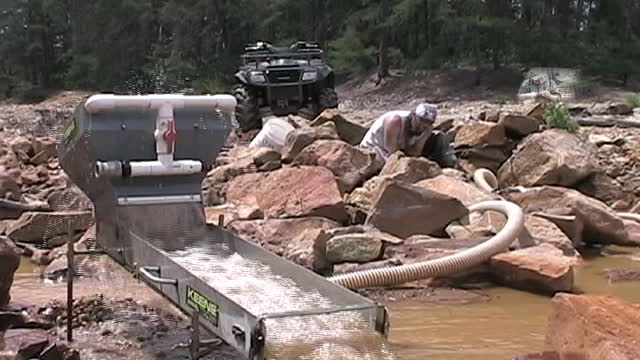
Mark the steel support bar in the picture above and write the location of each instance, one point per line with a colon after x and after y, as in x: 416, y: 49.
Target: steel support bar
x: 70, y: 274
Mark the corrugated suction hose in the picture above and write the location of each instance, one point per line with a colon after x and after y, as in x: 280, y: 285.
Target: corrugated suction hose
x: 446, y: 265
x: 485, y: 180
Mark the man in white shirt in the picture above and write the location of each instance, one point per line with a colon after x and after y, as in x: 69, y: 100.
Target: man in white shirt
x: 410, y: 132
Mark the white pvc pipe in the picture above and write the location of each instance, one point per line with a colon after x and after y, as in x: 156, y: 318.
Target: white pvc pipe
x: 157, y: 168
x: 629, y: 216
x: 102, y: 102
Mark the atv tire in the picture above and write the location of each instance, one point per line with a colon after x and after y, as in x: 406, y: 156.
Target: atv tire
x: 247, y: 112
x: 328, y: 99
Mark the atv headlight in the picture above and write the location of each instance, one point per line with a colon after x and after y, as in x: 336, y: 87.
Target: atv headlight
x: 257, y: 77
x: 309, y: 76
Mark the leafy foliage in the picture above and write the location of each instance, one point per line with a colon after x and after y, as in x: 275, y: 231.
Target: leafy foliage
x: 157, y: 45
x: 633, y: 101
x: 557, y: 115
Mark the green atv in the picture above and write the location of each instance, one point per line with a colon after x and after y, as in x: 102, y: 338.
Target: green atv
x: 282, y: 81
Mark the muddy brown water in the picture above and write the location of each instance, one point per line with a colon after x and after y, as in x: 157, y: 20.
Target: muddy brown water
x: 511, y: 323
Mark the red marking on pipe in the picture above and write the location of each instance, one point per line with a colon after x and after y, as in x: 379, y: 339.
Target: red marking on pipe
x: 170, y: 135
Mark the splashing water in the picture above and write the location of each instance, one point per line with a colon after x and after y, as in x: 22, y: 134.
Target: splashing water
x: 252, y: 284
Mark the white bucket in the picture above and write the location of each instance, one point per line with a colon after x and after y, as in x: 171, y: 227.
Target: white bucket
x: 273, y: 134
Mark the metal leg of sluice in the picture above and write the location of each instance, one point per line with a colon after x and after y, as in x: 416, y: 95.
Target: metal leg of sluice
x: 70, y: 271
x: 195, y: 344
x: 71, y: 253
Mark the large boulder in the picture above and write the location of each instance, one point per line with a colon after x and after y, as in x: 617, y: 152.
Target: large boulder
x: 229, y: 213
x: 599, y: 224
x: 347, y: 130
x: 8, y: 159
x: 593, y: 328
x: 34, y: 175
x: 480, y: 133
x: 487, y: 157
x: 409, y: 169
x: 544, y: 231
x: 22, y: 145
x: 423, y: 248
x: 44, y: 148
x: 351, y: 165
x: 9, y: 262
x: 354, y: 248
x: 299, y: 139
x: 351, y: 240
x: 300, y: 249
x: 402, y: 209
x: 467, y: 193
x: 542, y: 268
x: 553, y: 157
x: 49, y: 228
x: 70, y: 198
x: 605, y: 189
x: 215, y: 183
x: 519, y: 125
x: 633, y: 230
x: 538, y: 230
x: 290, y: 192
x: 9, y: 188
x: 399, y: 167
x: 275, y: 234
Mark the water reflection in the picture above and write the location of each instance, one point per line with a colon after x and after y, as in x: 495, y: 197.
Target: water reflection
x: 512, y: 323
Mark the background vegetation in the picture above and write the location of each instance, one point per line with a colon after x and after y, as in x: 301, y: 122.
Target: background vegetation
x: 162, y: 45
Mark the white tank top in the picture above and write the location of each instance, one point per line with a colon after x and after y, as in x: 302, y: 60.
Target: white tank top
x: 374, y: 138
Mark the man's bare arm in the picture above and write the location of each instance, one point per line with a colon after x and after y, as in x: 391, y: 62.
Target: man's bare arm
x: 392, y: 131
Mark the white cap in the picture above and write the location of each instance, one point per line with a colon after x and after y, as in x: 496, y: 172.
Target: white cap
x: 427, y: 112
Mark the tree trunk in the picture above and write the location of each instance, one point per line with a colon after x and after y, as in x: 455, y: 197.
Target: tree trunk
x: 383, y: 64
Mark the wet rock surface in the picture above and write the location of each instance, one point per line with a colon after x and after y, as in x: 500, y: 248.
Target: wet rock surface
x: 599, y: 222
x: 9, y: 262
x: 593, y: 327
x: 620, y: 274
x: 109, y: 328
x: 542, y: 268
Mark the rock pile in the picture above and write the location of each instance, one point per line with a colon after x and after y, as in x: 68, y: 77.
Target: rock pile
x: 325, y: 206
x: 86, y: 310
x: 321, y: 201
